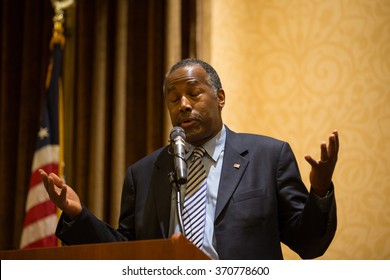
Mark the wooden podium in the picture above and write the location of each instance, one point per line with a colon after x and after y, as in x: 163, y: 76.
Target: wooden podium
x: 176, y: 248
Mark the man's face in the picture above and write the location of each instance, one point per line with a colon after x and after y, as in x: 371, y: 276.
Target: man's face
x: 193, y: 104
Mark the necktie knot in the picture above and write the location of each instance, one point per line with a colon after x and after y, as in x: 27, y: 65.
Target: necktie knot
x: 199, y: 152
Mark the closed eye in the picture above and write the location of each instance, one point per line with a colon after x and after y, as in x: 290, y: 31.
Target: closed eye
x: 173, y: 97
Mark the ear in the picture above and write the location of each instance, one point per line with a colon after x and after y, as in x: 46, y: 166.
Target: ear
x: 221, y: 98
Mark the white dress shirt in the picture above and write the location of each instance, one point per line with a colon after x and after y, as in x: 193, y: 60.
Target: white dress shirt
x: 212, y: 161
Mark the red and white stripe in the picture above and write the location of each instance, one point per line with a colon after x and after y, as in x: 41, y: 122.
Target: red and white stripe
x: 41, y: 213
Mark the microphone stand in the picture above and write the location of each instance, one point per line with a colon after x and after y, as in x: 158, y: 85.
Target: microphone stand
x: 176, y: 187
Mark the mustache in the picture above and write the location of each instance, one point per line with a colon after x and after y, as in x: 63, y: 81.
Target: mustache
x: 186, y: 118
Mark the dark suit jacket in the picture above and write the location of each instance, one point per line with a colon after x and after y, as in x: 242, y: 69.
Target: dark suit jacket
x: 259, y: 204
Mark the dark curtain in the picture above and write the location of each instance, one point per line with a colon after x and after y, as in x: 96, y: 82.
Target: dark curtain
x: 92, y: 86
x: 25, y: 35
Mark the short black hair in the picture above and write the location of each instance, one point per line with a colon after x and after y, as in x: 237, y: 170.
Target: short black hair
x: 213, y: 78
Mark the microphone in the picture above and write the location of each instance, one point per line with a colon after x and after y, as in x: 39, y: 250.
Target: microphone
x: 177, y: 137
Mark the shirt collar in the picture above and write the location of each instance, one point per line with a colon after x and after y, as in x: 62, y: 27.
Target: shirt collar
x: 213, y: 147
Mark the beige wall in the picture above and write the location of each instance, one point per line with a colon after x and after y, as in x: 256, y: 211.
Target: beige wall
x: 296, y: 70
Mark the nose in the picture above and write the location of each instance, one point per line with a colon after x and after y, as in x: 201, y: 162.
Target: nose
x: 185, y: 104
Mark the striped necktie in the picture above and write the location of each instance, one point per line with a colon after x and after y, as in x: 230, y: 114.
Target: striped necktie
x: 194, y: 206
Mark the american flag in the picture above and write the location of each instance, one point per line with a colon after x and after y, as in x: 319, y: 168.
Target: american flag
x: 41, y: 214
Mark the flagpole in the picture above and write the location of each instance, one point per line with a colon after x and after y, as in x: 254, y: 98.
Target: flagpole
x: 59, y: 38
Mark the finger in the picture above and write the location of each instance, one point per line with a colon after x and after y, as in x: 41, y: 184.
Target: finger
x: 57, y: 180
x: 324, y: 152
x: 42, y: 172
x: 333, y: 145
x: 44, y: 178
x: 336, y: 136
x: 63, y: 193
x: 311, y: 161
x: 49, y: 184
x: 51, y: 188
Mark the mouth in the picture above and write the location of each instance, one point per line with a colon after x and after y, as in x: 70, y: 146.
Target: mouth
x: 187, y: 122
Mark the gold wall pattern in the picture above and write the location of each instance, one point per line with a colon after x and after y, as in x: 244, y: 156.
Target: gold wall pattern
x: 296, y: 70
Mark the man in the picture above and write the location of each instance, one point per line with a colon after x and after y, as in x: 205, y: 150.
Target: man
x: 255, y: 195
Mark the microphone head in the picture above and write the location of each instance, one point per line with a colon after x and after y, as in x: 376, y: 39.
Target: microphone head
x: 177, y: 131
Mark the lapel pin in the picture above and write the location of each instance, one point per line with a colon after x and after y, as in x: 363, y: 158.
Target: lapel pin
x: 236, y: 165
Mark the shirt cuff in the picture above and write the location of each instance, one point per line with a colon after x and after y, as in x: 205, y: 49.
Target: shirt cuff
x: 324, y: 203
x: 68, y: 222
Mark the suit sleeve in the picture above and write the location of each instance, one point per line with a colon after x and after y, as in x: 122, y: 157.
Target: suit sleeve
x: 87, y: 228
x: 304, y: 225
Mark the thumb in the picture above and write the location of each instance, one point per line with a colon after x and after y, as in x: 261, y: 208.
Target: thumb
x: 310, y: 160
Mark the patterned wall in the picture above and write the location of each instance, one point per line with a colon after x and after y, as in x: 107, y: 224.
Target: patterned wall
x: 296, y: 70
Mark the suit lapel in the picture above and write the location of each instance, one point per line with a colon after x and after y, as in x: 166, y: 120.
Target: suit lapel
x: 234, y: 166
x: 162, y: 190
